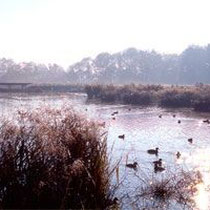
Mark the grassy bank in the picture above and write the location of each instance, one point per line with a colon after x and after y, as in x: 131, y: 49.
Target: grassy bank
x: 197, y: 97
x: 43, y: 88
x: 52, y: 159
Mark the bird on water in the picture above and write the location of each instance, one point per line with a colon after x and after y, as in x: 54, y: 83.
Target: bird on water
x: 132, y: 165
x: 121, y: 136
x: 153, y: 151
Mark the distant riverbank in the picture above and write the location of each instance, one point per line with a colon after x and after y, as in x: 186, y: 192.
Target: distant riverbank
x: 196, y: 97
x: 41, y: 88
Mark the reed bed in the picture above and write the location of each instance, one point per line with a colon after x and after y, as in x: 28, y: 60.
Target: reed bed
x: 53, y: 159
x: 196, y: 97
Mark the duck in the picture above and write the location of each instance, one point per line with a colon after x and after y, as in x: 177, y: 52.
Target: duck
x: 113, y: 118
x: 153, y: 151
x: 116, y: 200
x: 114, y: 203
x: 121, y: 136
x: 178, y: 154
x: 190, y: 140
x: 158, y: 162
x: 114, y: 113
x: 129, y: 109
x: 174, y: 115
x: 206, y: 121
x: 179, y: 121
x: 160, y: 116
x: 132, y: 165
x: 158, y: 168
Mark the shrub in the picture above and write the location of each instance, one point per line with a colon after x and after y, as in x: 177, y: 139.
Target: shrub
x: 179, y: 187
x: 52, y: 158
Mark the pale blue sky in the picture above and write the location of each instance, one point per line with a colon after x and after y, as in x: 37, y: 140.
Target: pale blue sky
x: 65, y: 31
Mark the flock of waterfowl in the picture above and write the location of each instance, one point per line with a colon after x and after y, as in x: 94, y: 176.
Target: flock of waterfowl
x: 158, y: 163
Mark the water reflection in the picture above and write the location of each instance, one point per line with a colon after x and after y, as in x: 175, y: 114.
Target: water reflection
x: 201, y: 160
x: 202, y: 197
x: 144, y: 129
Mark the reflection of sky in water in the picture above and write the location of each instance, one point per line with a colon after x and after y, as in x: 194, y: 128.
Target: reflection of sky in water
x: 143, y: 130
x: 201, y: 161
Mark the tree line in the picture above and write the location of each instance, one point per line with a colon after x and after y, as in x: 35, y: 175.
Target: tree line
x: 129, y: 66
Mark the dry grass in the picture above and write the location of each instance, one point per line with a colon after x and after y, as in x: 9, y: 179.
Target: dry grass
x: 52, y: 158
x: 179, y: 187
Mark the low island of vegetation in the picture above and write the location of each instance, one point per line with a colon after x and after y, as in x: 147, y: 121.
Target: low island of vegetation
x: 196, y: 97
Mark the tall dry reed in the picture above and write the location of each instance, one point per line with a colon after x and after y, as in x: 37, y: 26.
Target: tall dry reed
x: 52, y: 158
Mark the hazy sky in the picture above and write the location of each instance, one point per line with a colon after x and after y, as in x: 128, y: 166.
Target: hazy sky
x: 65, y: 31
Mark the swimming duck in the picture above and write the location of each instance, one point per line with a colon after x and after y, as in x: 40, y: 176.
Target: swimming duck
x: 121, y: 136
x: 153, y: 151
x: 206, y: 121
x: 158, y: 162
x: 174, y: 115
x: 114, y: 204
x: 160, y: 116
x: 179, y: 121
x: 178, y: 154
x: 114, y: 113
x: 190, y: 140
x: 132, y: 165
x: 115, y: 201
x: 158, y: 168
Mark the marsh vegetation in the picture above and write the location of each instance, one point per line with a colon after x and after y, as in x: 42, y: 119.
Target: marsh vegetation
x: 196, y: 97
x: 53, y: 158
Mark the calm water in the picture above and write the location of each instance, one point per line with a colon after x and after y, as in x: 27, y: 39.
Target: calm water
x: 143, y: 129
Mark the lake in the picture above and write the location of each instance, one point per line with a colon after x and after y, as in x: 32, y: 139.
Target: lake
x: 143, y: 130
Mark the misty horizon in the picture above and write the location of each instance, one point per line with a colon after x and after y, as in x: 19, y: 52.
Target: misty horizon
x: 64, y: 32
x: 192, y: 66
x: 65, y: 67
